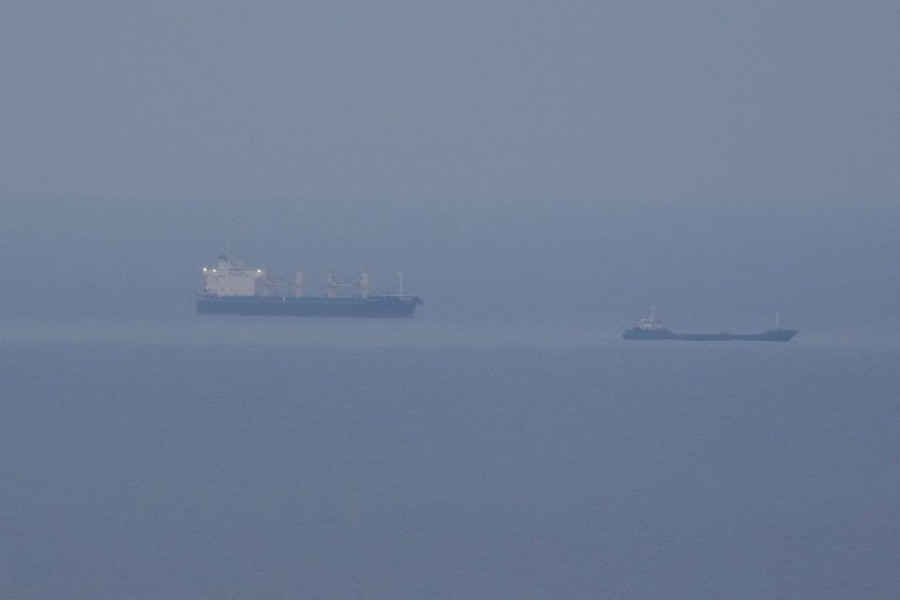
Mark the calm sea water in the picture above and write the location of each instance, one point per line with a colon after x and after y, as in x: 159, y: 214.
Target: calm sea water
x: 252, y: 458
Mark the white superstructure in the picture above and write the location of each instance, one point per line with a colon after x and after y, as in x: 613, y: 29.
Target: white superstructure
x: 231, y: 278
x: 650, y: 323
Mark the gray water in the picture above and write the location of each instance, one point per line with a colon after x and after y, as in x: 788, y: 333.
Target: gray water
x: 542, y: 174
x: 270, y: 458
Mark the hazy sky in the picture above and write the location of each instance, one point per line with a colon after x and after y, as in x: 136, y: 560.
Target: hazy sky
x: 522, y: 163
x: 721, y: 160
x: 465, y: 100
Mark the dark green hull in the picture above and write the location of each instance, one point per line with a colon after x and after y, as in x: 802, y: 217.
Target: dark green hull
x: 772, y: 335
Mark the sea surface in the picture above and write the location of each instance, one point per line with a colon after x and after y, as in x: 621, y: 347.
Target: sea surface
x: 219, y: 458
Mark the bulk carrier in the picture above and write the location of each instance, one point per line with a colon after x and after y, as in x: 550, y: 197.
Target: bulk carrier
x: 230, y: 288
x: 651, y: 328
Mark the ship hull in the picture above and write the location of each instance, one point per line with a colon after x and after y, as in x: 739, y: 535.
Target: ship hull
x: 400, y: 306
x: 773, y: 335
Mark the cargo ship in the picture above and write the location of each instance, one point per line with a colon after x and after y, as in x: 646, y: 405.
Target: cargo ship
x: 230, y: 288
x: 651, y: 328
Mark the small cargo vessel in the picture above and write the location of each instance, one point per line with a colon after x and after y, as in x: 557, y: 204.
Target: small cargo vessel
x: 230, y: 288
x: 651, y: 328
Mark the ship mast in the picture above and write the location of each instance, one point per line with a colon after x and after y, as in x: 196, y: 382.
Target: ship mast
x: 297, y: 284
x: 331, y: 285
x: 365, y: 285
